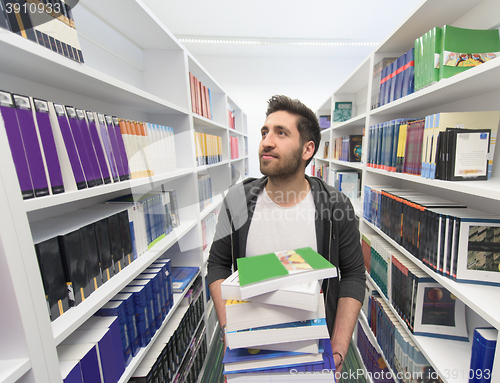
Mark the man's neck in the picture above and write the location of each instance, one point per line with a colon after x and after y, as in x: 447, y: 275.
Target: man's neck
x: 287, y: 192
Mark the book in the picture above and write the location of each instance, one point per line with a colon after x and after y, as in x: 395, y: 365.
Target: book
x: 268, y: 272
x: 182, y: 277
x: 247, y: 360
x: 439, y: 313
x: 280, y: 333
x: 377, y: 78
x: 484, y: 344
x: 310, y: 346
x: 464, y: 48
x: 10, y: 123
x: 342, y: 111
x: 53, y: 278
x: 24, y: 112
x: 320, y: 372
x: 47, y: 142
x: 244, y: 314
x: 304, y: 296
x: 325, y: 121
x: 96, y: 142
x: 86, y: 354
x: 71, y: 371
x: 103, y: 341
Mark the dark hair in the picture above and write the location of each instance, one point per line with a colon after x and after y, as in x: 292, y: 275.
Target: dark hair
x: 307, y: 122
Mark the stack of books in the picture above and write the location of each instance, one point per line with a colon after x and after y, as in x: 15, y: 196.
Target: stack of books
x: 276, y: 322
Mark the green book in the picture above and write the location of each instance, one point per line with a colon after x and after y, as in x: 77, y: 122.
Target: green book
x: 462, y: 49
x: 269, y: 272
x: 342, y: 111
x: 436, y: 36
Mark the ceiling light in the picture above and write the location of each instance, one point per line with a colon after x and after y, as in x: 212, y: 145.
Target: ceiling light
x: 276, y: 42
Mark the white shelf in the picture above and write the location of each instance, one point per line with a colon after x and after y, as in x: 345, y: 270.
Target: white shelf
x: 203, y: 122
x: 357, y: 204
x: 368, y: 331
x: 238, y: 159
x: 354, y: 165
x: 78, y: 195
x: 355, y: 121
x: 356, y: 81
x: 136, y: 361
x: 486, y: 189
x: 63, y: 326
x: 216, y: 202
x: 436, y: 350
x: 478, y: 297
x: 20, y: 56
x: 13, y: 369
x: 135, y: 21
x: 205, y: 167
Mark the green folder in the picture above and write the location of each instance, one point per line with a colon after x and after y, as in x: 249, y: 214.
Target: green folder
x: 466, y: 43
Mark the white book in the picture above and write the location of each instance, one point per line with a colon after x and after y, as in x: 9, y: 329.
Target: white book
x: 241, y: 315
x: 304, y: 296
x: 286, y: 332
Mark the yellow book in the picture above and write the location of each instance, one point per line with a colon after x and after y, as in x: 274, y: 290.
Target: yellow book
x: 403, y: 129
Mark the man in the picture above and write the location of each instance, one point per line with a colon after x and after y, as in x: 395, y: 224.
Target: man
x: 285, y: 210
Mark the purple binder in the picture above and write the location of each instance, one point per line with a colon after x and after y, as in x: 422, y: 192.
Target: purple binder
x: 98, y: 148
x: 116, y: 150
x: 80, y: 146
x: 107, y: 146
x: 31, y: 145
x: 71, y: 149
x: 87, y: 141
x: 16, y: 144
x: 49, y: 146
x: 121, y: 147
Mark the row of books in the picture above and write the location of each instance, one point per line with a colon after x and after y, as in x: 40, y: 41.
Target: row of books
x: 201, y: 98
x: 166, y: 359
x: 275, y: 324
x: 231, y: 116
x: 427, y: 308
x: 104, y: 345
x: 352, y: 367
x: 346, y: 181
x: 213, y: 367
x: 406, y: 360
x: 320, y: 170
x: 443, y: 52
x: 205, y: 190
x: 347, y: 148
x: 396, y: 79
x: 93, y: 353
x: 436, y: 147
x: 208, y: 149
x: 150, y: 148
x: 208, y: 225
x: 79, y: 252
x: 59, y: 148
x: 47, y: 23
x: 439, y: 53
x: 234, y: 145
x: 455, y: 241
x: 152, y: 216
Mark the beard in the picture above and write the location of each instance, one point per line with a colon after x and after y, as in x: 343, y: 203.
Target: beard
x: 282, y: 167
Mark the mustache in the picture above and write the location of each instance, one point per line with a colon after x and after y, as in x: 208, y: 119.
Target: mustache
x: 268, y: 152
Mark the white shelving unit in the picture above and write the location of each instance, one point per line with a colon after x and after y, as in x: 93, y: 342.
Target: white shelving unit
x: 134, y: 69
x: 476, y: 89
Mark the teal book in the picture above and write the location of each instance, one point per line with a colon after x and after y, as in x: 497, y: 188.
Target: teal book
x: 269, y: 272
x: 342, y: 112
x: 464, y: 48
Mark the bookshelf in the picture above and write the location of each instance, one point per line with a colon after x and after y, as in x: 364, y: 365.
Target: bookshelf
x: 477, y: 89
x: 134, y: 69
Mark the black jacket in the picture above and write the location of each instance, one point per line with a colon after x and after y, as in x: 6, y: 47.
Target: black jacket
x: 337, y: 237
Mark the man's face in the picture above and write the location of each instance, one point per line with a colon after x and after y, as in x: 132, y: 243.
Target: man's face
x: 280, y: 149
